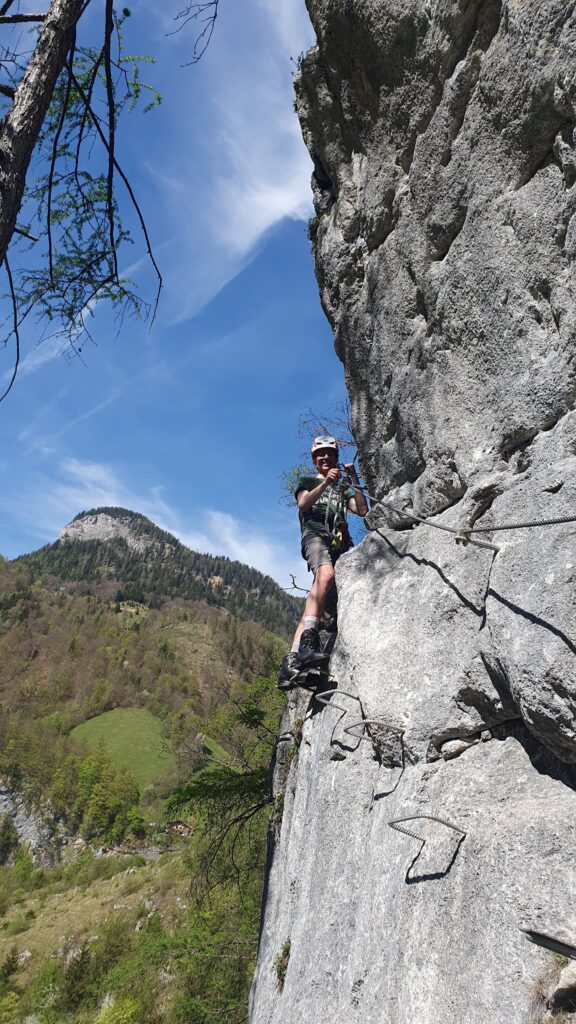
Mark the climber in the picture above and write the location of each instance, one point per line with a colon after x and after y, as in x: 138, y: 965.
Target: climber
x: 322, y: 504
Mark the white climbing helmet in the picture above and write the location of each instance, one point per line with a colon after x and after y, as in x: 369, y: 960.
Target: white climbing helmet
x: 324, y: 441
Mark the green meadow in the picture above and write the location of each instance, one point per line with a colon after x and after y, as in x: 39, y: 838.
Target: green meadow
x: 132, y: 738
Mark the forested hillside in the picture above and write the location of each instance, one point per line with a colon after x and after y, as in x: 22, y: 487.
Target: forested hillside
x: 169, y: 569
x: 116, y: 716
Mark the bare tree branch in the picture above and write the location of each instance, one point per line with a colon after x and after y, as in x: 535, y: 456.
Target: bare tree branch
x: 129, y: 188
x: 295, y: 586
x: 25, y: 234
x: 64, y: 95
x: 85, y: 117
x: 108, y: 29
x: 15, y: 19
x: 21, y: 126
x: 57, y: 134
x: 14, y: 329
x: 206, y: 13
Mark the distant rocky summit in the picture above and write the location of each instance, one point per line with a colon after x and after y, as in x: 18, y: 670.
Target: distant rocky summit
x: 430, y: 814
x: 126, y: 553
x: 103, y: 526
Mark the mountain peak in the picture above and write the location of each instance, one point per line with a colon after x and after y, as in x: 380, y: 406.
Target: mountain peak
x: 108, y: 524
x: 116, y: 548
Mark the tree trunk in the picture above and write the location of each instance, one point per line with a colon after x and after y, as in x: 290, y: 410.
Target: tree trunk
x: 20, y: 128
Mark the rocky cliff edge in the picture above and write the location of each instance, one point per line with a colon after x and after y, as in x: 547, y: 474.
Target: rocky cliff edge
x: 442, y: 134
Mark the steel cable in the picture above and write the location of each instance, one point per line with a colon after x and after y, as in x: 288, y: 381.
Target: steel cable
x: 463, y: 534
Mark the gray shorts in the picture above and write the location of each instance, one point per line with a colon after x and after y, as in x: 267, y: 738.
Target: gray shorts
x: 317, y: 551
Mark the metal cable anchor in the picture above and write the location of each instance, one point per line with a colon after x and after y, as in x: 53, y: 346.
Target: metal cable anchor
x: 378, y: 734
x: 398, y: 826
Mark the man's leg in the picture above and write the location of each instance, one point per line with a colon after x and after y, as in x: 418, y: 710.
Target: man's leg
x: 323, y: 579
x: 305, y: 652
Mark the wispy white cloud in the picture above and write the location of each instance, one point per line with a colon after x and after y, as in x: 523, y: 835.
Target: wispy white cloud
x: 42, y: 353
x: 244, y: 168
x: 40, y: 414
x: 44, y: 441
x: 243, y: 542
x: 81, y: 485
x: 290, y: 23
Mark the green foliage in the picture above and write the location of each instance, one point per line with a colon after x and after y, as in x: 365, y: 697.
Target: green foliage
x: 281, y: 964
x: 288, y: 480
x: 8, y: 838
x: 8, y: 967
x: 24, y: 878
x: 70, y: 202
x: 105, y: 797
x: 9, y: 1004
x: 177, y: 968
x: 125, y: 1011
x: 312, y: 228
x: 169, y: 570
x: 75, y: 979
x: 232, y: 802
x: 18, y: 925
x: 87, y: 791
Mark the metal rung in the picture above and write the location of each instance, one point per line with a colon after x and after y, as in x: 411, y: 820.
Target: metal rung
x: 399, y: 827
x: 367, y: 722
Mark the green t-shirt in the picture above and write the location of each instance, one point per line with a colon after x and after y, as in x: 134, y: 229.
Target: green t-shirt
x: 314, y: 519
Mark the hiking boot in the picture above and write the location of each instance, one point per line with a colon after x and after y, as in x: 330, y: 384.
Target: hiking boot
x: 309, y: 651
x: 289, y: 671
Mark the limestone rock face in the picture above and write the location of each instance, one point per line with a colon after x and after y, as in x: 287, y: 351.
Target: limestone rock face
x: 445, y: 238
x: 37, y: 832
x: 101, y: 526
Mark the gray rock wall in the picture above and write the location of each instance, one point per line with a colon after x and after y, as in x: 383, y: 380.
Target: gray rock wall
x: 442, y: 134
x: 35, y: 831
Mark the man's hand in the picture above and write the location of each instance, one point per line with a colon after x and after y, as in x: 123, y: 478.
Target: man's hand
x: 358, y: 503
x: 333, y: 475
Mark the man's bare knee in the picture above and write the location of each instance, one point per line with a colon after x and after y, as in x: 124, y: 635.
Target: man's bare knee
x: 324, y: 573
x: 324, y: 578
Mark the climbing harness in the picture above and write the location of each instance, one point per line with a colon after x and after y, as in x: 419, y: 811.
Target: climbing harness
x: 338, y: 534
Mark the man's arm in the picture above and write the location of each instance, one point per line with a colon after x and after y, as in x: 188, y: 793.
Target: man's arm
x: 358, y: 503
x: 306, y: 499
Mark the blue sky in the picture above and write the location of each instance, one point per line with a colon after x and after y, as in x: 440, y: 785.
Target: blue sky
x: 193, y: 422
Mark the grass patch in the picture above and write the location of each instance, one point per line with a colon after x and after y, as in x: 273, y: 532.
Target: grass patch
x: 281, y: 964
x: 18, y: 925
x: 215, y: 750
x: 62, y: 916
x: 132, y: 739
